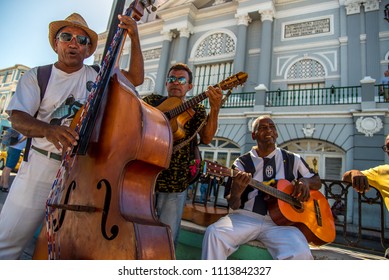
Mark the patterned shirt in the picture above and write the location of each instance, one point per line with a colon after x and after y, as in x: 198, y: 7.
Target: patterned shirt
x: 175, y: 178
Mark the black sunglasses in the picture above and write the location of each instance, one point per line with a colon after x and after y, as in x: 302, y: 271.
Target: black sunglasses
x: 67, y: 37
x: 385, y: 148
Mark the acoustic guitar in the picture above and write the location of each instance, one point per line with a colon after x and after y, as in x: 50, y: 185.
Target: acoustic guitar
x: 179, y: 113
x: 313, y: 217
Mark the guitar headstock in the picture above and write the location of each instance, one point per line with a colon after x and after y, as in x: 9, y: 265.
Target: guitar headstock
x: 216, y: 169
x: 233, y: 81
x: 138, y: 7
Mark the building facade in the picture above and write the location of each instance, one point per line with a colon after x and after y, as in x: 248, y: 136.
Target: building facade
x: 9, y: 78
x: 289, y: 48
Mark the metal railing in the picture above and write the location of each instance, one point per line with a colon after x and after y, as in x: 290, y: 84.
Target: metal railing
x: 236, y: 100
x: 353, y: 233
x: 356, y: 233
x: 318, y: 96
x: 304, y: 97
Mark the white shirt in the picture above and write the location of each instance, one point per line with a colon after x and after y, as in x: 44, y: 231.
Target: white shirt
x: 65, y: 93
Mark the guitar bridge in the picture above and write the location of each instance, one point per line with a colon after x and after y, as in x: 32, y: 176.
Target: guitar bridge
x: 318, y: 213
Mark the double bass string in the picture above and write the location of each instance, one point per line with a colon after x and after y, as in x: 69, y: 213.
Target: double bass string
x: 68, y: 160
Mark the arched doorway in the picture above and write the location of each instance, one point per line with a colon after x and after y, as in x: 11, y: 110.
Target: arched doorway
x: 325, y: 158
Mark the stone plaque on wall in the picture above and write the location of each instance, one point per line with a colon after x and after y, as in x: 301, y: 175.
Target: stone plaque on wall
x: 307, y: 28
x: 152, y: 54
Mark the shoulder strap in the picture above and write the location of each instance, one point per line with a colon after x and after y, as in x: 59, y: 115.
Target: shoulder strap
x: 96, y: 67
x: 43, y: 76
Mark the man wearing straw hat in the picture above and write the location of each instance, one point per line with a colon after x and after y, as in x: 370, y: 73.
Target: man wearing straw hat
x: 69, y: 85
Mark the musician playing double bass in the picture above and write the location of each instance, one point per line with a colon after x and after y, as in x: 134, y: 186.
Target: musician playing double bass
x: 172, y: 183
x: 69, y: 84
x: 250, y: 219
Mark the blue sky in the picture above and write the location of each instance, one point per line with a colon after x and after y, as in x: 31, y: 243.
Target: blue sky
x: 24, y: 27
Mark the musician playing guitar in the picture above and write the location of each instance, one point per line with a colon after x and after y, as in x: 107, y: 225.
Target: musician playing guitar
x: 172, y: 183
x: 250, y: 219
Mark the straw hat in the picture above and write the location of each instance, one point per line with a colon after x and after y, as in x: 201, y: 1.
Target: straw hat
x: 72, y: 20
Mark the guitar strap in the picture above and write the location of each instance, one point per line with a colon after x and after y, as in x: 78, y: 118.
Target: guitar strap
x: 182, y: 144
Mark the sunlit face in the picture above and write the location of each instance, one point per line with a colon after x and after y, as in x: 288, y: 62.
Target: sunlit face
x: 176, y: 89
x: 265, y: 131
x: 72, y: 54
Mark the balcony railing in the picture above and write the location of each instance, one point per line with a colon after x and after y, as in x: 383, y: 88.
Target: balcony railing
x: 303, y: 97
x: 354, y: 224
x: 318, y: 96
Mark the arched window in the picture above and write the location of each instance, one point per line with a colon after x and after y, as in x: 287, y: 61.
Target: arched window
x: 213, y: 55
x: 304, y: 75
x: 306, y: 69
x: 221, y: 150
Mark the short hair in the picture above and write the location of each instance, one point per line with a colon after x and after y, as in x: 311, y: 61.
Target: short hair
x: 182, y: 66
x: 254, y: 126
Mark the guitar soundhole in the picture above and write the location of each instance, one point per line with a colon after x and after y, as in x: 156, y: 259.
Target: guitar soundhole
x: 298, y: 206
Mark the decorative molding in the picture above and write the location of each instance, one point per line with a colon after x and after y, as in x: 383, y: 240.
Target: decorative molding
x: 243, y: 19
x: 308, y: 130
x: 250, y: 124
x: 185, y: 32
x: 354, y: 6
x: 369, y: 125
x: 218, y: 2
x: 168, y: 36
x: 267, y: 15
x: 372, y: 5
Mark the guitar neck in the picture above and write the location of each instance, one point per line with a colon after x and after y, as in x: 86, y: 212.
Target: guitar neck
x: 228, y: 83
x: 219, y: 170
x: 185, y: 106
x: 275, y: 192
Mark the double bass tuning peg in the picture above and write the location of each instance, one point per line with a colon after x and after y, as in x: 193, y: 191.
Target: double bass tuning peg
x: 153, y: 8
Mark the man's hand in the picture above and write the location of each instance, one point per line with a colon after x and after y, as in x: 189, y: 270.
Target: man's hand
x: 239, y: 184
x: 63, y: 137
x: 215, y: 97
x: 358, y: 180
x: 301, y: 189
x: 126, y: 22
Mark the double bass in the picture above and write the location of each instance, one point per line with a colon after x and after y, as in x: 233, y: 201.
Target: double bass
x: 102, y: 202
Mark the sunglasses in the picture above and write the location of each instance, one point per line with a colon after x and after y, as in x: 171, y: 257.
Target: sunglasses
x: 172, y: 79
x: 67, y: 37
x: 385, y: 148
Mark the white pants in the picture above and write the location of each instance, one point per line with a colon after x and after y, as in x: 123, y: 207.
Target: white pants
x: 224, y: 237
x: 24, y: 209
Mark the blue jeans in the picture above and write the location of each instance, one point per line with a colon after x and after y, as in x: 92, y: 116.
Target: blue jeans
x: 169, y: 207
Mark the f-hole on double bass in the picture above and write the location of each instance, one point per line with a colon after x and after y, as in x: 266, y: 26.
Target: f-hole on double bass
x: 102, y: 202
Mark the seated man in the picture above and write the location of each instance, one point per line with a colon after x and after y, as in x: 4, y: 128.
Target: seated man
x: 378, y: 177
x: 249, y: 219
